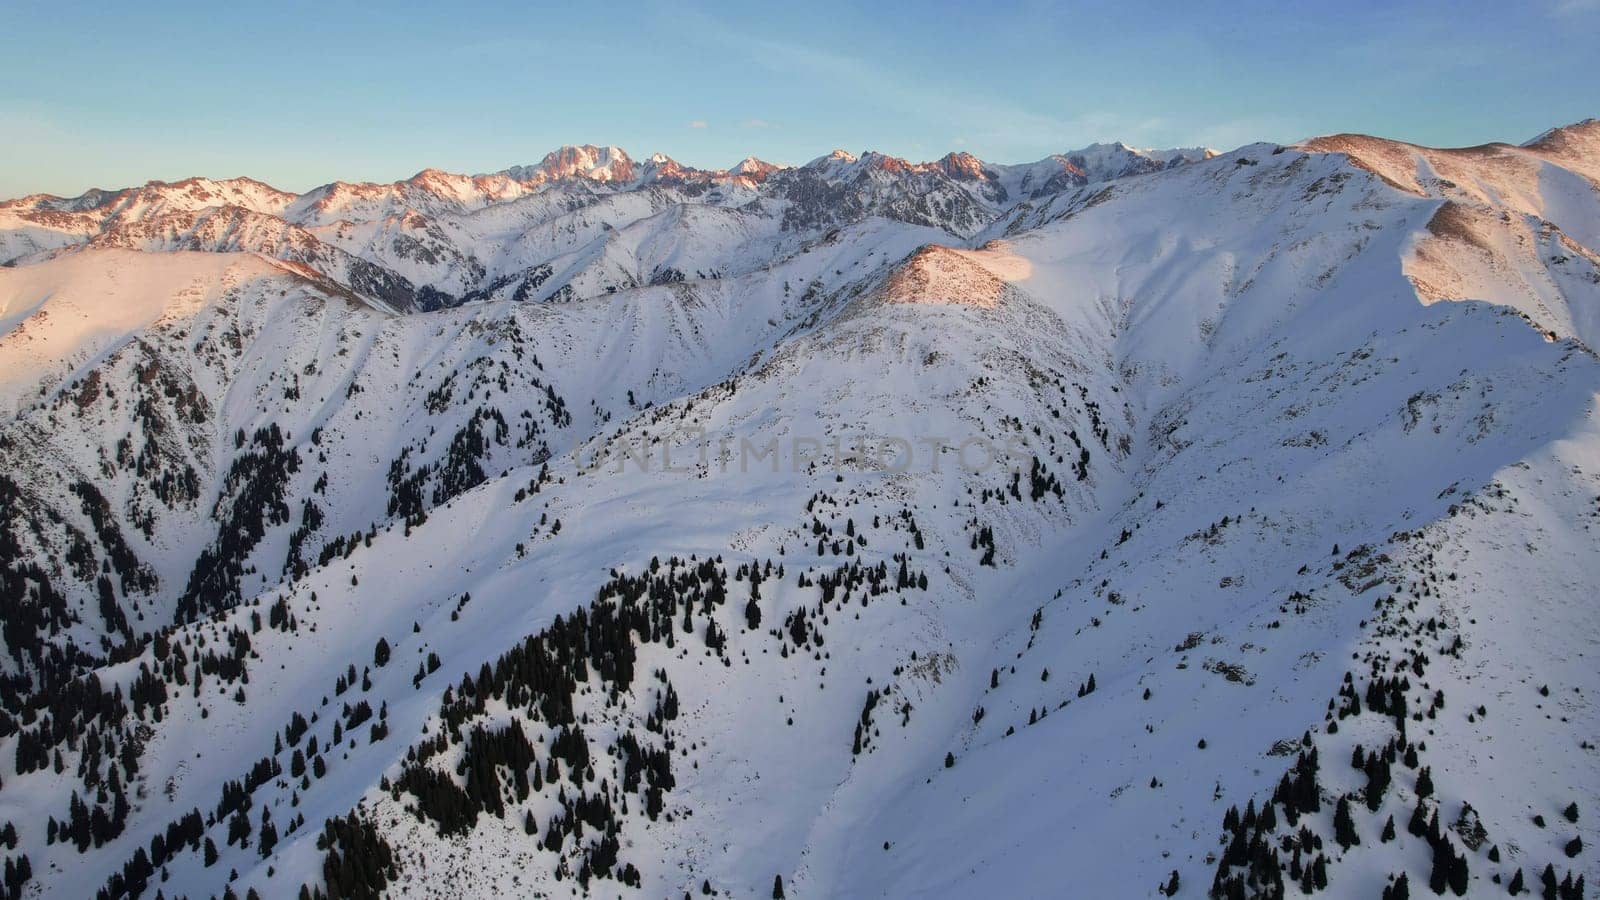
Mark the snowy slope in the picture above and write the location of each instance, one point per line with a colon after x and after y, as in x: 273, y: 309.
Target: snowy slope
x: 704, y: 576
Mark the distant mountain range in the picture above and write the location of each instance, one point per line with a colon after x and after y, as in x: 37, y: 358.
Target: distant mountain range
x: 439, y: 239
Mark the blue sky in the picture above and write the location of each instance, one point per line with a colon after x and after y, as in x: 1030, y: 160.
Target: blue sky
x: 297, y: 94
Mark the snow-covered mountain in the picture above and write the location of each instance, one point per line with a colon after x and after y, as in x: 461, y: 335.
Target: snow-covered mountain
x: 1127, y: 523
x: 439, y: 239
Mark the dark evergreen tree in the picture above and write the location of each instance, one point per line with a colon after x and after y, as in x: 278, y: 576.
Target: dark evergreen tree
x: 1458, y: 875
x: 1344, y: 827
x: 1418, y: 825
x: 1443, y: 863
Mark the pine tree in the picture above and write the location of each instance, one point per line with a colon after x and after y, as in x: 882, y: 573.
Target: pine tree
x: 1418, y: 826
x: 1344, y: 827
x: 1268, y: 820
x: 267, y: 840
x: 1439, y: 879
x: 777, y: 887
x: 1458, y: 875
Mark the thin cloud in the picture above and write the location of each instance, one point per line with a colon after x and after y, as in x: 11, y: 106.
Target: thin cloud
x: 756, y: 123
x: 987, y: 120
x: 699, y: 123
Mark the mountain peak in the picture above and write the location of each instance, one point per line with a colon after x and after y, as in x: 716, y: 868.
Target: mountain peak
x: 962, y: 166
x: 752, y: 166
x: 1589, y: 126
x: 661, y: 167
x: 1576, y: 146
x: 429, y: 175
x: 1105, y: 162
x: 837, y: 157
x: 872, y: 159
x: 588, y: 161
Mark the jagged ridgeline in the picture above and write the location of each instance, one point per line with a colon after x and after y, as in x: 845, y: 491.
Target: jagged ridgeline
x: 510, y: 534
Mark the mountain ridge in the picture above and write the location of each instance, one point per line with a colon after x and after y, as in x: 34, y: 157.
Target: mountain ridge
x: 564, y: 162
x: 583, y: 161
